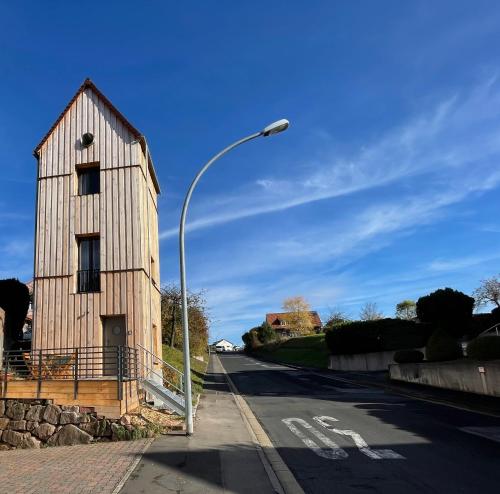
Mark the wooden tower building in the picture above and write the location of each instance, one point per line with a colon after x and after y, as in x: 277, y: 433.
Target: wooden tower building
x: 96, y: 280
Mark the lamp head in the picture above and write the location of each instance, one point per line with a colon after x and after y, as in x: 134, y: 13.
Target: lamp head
x: 276, y: 127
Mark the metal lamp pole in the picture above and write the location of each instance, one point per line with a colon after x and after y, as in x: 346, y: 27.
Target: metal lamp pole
x: 271, y: 129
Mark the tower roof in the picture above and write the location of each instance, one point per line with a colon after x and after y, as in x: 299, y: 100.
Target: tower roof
x: 88, y: 84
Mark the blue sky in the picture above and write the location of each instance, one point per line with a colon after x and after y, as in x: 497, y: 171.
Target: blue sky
x: 385, y: 187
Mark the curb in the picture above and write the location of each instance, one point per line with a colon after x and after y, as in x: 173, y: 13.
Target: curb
x: 132, y: 467
x: 281, y: 477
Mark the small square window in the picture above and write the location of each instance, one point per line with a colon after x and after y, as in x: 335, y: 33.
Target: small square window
x: 89, y: 181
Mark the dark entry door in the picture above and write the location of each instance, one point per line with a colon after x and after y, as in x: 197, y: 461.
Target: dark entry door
x: 115, y: 335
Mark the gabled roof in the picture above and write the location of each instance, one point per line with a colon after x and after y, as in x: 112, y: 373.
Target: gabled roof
x: 88, y: 84
x: 222, y: 341
x: 273, y: 316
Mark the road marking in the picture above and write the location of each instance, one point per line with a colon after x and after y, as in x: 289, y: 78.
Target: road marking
x: 361, y: 444
x: 332, y: 450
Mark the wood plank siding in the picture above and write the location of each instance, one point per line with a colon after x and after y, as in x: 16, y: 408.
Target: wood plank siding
x: 123, y: 215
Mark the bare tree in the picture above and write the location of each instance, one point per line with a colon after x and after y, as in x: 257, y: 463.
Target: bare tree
x: 298, y: 314
x: 370, y: 312
x: 337, y: 317
x: 488, y: 292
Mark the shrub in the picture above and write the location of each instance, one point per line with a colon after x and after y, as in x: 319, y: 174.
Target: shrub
x: 446, y: 308
x: 376, y: 336
x: 484, y: 348
x: 14, y: 299
x: 408, y: 356
x: 266, y: 333
x: 442, y: 346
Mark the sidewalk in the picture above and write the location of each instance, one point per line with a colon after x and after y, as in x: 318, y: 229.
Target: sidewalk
x: 86, y: 469
x: 219, y: 457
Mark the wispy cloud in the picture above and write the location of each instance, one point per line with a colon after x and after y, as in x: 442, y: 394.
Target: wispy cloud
x: 460, y: 132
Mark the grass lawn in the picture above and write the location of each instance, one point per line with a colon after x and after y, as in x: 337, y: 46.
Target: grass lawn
x: 198, y: 369
x: 310, y: 351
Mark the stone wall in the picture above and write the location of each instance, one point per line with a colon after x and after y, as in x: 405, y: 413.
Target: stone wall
x: 35, y: 424
x: 461, y: 375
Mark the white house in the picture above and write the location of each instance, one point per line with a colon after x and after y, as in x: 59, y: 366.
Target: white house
x: 224, y: 346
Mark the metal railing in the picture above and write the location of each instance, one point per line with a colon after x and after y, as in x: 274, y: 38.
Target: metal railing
x: 88, y: 280
x: 494, y: 327
x: 172, y: 378
x: 76, y: 364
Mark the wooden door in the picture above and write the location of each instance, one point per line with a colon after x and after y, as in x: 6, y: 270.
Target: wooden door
x: 115, y: 335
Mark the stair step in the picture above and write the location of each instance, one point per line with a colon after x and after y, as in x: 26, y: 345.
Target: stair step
x: 172, y: 400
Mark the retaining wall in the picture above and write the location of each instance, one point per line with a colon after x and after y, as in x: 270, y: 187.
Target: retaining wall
x: 461, y: 375
x: 38, y: 423
x: 374, y: 361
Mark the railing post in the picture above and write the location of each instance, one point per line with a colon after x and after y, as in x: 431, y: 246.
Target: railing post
x: 75, y: 390
x: 5, y: 372
x: 120, y: 373
x: 39, y: 384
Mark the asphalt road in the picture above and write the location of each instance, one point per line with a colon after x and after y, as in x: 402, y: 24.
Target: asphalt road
x: 341, y: 438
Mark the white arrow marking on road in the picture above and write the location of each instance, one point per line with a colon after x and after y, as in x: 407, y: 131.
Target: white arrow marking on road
x: 361, y: 444
x: 332, y: 452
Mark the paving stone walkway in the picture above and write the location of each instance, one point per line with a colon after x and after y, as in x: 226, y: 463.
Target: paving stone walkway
x: 87, y: 469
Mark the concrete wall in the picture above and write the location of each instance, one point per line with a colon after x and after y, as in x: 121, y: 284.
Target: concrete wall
x: 375, y: 361
x: 460, y: 375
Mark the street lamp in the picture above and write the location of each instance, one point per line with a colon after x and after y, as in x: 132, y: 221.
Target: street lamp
x: 274, y: 128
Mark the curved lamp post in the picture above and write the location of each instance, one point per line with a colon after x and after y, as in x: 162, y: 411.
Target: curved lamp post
x: 271, y: 129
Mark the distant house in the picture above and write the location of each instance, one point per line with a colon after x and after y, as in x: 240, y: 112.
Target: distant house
x: 278, y: 321
x: 223, y: 346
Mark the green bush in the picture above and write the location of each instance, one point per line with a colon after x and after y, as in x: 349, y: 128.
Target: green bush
x: 484, y: 348
x: 446, y: 308
x: 408, y: 356
x: 377, y: 336
x: 442, y: 346
x: 266, y: 333
x: 14, y: 299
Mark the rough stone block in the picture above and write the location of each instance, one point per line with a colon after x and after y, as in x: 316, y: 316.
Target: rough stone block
x: 30, y: 442
x: 14, y: 438
x: 17, y: 425
x: 69, y: 418
x: 44, y: 431
x: 35, y: 413
x: 15, y: 410
x: 69, y: 435
x: 52, y: 414
x: 31, y: 425
x: 2, y: 408
x: 4, y: 422
x: 71, y: 408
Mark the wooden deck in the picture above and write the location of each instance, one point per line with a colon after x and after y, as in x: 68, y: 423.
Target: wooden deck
x: 100, y: 394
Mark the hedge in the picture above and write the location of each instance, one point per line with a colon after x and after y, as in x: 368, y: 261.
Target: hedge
x: 442, y: 346
x: 408, y: 356
x: 484, y: 348
x: 377, y: 336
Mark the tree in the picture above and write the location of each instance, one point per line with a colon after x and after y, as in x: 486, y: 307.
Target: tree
x: 488, y: 292
x: 298, y: 315
x: 407, y: 309
x: 171, y: 319
x: 336, y: 318
x: 370, y: 312
x: 266, y: 333
x: 448, y: 309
